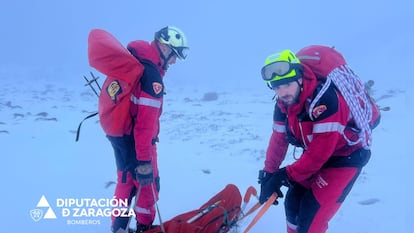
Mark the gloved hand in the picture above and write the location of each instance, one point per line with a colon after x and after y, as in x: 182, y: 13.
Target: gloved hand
x: 271, y: 183
x: 144, y: 172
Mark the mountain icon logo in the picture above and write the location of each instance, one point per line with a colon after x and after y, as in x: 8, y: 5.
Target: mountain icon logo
x: 37, y: 214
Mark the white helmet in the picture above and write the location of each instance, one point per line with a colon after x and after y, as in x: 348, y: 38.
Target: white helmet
x: 175, y: 39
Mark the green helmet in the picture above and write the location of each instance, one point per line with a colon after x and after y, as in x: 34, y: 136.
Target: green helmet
x: 175, y: 39
x: 281, y: 68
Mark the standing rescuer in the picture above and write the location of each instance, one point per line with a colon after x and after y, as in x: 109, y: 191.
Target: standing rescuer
x: 318, y: 181
x: 130, y: 110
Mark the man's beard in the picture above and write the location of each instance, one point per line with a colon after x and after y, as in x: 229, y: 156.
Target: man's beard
x: 288, y: 99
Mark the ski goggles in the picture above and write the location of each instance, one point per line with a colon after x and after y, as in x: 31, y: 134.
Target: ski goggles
x: 280, y: 70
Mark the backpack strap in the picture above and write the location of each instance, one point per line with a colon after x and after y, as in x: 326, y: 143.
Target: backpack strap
x: 80, y: 124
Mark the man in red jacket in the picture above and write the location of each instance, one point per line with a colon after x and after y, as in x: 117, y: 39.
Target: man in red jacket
x: 135, y: 151
x: 322, y: 177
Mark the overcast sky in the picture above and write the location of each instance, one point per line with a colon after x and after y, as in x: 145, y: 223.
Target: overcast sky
x: 229, y: 40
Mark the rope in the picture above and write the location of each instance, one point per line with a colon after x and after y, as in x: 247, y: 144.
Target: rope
x: 158, y: 210
x: 261, y: 212
x: 353, y: 91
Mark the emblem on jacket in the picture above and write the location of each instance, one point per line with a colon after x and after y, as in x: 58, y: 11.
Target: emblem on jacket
x: 321, y: 182
x: 113, y: 90
x: 157, y: 87
x: 318, y: 110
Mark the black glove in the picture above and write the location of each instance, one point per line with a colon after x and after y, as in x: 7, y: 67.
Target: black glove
x: 271, y: 183
x: 144, y: 172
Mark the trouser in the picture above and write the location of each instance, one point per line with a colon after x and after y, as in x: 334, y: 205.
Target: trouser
x: 128, y: 187
x: 310, y: 205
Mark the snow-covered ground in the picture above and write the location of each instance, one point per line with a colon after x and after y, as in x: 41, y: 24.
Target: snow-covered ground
x: 204, y: 145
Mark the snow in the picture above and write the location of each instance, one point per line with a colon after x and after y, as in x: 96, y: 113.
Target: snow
x: 204, y: 144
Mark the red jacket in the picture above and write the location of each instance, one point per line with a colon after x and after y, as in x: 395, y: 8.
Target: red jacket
x: 131, y: 98
x: 320, y: 138
x: 147, y: 99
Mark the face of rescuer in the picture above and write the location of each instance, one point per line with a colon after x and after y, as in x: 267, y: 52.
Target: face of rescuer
x: 288, y: 93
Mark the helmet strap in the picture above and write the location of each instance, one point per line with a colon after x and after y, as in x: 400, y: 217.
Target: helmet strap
x: 299, y: 84
x: 164, y: 59
x: 269, y: 86
x: 167, y: 59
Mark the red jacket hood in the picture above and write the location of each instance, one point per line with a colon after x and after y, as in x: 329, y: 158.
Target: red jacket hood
x: 144, y: 50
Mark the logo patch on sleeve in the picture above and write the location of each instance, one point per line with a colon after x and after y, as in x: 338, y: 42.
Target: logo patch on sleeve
x: 157, y: 87
x: 113, y: 90
x: 318, y: 110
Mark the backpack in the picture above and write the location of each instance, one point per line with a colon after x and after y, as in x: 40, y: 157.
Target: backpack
x: 107, y: 55
x: 330, y: 66
x: 217, y: 215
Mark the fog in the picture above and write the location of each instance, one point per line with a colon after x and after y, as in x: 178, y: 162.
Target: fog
x: 229, y: 40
